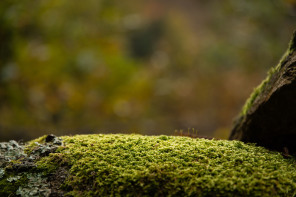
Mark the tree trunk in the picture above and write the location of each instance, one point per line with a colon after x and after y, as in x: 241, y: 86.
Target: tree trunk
x: 269, y: 115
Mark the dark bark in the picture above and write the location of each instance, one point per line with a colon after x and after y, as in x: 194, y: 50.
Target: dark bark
x: 269, y: 118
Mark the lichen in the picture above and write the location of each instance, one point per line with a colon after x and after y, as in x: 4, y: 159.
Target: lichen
x: 42, y: 145
x: 13, y: 178
x: 10, y: 182
x: 24, y: 184
x: 2, y: 172
x: 10, y: 151
x: 135, y: 165
x: 31, y: 145
x: 36, y: 186
x: 19, y: 174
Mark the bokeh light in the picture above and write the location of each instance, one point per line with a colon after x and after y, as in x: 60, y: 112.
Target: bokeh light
x: 149, y: 67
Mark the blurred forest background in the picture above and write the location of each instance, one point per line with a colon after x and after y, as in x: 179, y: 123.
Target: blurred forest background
x: 149, y: 67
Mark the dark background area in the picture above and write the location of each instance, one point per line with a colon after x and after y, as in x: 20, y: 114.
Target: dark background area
x: 149, y: 67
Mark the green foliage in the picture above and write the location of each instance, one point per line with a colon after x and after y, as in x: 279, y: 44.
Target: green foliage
x: 135, y: 165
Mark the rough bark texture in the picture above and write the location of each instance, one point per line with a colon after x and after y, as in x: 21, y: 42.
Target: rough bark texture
x: 269, y: 116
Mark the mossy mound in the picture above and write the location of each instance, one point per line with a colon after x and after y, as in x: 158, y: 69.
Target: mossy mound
x: 136, y: 165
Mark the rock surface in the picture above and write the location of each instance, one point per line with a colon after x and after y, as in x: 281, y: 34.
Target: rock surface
x: 269, y: 116
x: 19, y: 173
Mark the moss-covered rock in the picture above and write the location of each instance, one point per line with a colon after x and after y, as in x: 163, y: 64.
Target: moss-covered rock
x: 268, y: 117
x: 136, y: 165
x: 19, y: 173
x: 267, y: 81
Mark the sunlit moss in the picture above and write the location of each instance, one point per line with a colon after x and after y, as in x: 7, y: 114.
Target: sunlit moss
x: 136, y: 165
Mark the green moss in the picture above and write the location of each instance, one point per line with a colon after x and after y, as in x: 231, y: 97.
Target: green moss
x: 135, y: 165
x: 49, y: 164
x: 10, y: 183
x: 257, y: 91
x: 292, y: 44
x: 31, y: 145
